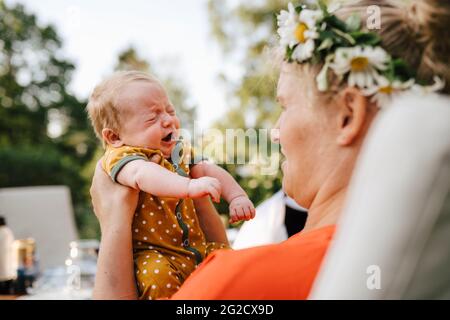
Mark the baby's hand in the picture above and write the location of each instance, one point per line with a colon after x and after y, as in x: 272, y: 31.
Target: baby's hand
x: 205, y: 186
x: 241, y: 208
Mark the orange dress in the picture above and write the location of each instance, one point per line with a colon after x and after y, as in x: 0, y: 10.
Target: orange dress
x: 283, y: 271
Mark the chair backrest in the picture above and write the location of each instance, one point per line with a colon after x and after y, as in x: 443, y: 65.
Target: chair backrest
x: 393, y: 240
x: 44, y: 214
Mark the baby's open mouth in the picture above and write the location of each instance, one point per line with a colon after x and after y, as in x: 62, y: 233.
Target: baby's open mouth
x: 167, y: 138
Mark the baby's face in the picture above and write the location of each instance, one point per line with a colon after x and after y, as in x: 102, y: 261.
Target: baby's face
x: 148, y: 118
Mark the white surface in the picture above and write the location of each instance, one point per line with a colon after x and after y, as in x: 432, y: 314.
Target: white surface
x: 42, y: 213
x: 59, y: 284
x: 60, y: 294
x: 267, y: 227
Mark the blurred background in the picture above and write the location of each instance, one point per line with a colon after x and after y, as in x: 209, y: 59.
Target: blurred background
x: 209, y: 54
x: 213, y: 56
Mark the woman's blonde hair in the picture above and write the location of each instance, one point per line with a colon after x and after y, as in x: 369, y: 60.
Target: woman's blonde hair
x: 102, y: 108
x: 418, y: 31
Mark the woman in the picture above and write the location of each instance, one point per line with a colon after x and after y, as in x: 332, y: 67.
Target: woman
x: 321, y: 130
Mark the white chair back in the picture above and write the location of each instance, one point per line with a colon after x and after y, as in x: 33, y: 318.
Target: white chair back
x: 393, y: 240
x: 44, y: 214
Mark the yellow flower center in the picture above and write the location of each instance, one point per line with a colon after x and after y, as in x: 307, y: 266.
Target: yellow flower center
x: 359, y: 63
x: 386, y: 90
x: 300, y: 32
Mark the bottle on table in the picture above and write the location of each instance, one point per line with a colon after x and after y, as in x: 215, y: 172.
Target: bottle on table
x: 26, y: 264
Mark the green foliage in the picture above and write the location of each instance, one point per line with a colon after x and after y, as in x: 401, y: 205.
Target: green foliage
x: 253, y: 27
x: 34, y: 97
x: 25, y: 165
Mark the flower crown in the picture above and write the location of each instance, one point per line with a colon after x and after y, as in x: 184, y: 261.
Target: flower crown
x: 314, y: 34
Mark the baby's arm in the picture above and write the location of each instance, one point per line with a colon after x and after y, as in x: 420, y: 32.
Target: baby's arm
x: 241, y: 208
x: 154, y: 179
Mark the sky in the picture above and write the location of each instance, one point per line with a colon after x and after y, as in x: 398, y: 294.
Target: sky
x: 172, y: 34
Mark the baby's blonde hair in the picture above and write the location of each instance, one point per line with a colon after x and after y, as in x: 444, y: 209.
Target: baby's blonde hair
x: 102, y: 108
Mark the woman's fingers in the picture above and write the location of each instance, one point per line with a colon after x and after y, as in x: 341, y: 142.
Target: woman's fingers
x: 99, y: 181
x: 111, y: 201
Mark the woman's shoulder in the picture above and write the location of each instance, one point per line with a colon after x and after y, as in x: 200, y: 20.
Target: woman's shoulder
x: 279, y: 271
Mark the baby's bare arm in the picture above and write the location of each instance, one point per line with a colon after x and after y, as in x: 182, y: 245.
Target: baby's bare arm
x: 241, y: 208
x: 230, y: 188
x: 154, y: 179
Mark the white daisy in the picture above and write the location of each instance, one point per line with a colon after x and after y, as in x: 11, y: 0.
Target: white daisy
x: 361, y: 62
x: 299, y: 30
x: 287, y: 21
x: 384, y: 90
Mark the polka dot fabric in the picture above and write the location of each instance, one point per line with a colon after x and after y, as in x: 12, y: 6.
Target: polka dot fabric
x: 168, y: 242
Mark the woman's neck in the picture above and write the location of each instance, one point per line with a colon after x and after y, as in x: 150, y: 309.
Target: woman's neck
x: 325, y: 210
x: 326, y: 207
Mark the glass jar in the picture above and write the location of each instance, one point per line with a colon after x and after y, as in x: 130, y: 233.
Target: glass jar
x: 81, y: 265
x: 26, y: 264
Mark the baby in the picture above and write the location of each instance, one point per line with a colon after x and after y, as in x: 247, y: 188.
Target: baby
x: 135, y: 120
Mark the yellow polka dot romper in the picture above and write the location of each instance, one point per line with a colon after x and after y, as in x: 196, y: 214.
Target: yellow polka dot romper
x: 168, y: 242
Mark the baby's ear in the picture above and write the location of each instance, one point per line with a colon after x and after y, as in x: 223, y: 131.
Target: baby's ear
x: 111, y: 137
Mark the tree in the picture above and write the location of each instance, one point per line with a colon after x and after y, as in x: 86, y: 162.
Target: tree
x: 249, y: 27
x: 44, y: 134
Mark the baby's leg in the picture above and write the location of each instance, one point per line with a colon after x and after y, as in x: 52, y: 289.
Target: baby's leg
x: 155, y: 275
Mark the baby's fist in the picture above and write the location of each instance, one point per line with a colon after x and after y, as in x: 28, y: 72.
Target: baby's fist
x: 241, y: 208
x: 205, y: 186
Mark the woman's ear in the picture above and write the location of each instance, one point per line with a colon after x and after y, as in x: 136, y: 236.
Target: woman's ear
x: 111, y: 138
x: 352, y: 116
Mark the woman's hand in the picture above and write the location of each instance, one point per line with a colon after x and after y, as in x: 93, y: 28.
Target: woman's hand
x: 113, y: 203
